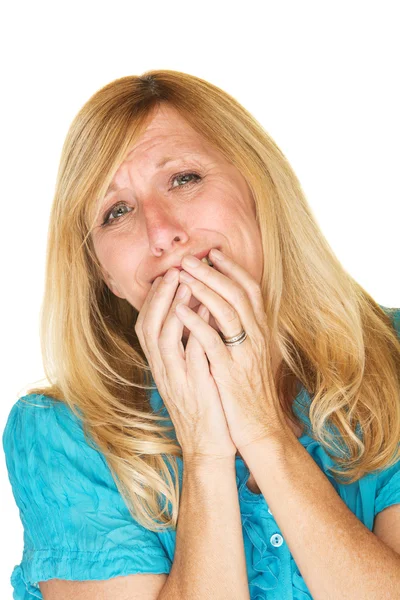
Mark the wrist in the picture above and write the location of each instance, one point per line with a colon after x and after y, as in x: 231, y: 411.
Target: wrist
x: 206, y: 463
x: 275, y: 443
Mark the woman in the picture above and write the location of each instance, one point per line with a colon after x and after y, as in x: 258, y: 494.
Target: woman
x: 265, y: 461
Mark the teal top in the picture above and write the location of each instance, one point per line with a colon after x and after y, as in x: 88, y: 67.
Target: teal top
x: 77, y: 526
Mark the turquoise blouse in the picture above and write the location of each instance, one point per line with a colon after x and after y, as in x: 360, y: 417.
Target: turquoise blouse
x: 77, y: 527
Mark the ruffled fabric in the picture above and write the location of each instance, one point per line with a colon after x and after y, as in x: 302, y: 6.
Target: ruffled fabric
x: 267, y: 568
x: 266, y: 563
x: 388, y: 488
x: 42, y: 565
x: 76, y: 523
x: 300, y: 590
x: 23, y: 589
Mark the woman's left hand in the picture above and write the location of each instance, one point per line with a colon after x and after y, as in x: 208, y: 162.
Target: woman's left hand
x: 243, y: 373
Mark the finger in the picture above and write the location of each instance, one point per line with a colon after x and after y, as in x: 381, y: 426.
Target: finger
x: 145, y: 305
x: 223, y: 312
x: 170, y: 341
x: 172, y: 352
x: 195, y: 355
x: 156, y: 311
x: 142, y: 314
x: 227, y: 267
x: 231, y: 282
x: 207, y: 336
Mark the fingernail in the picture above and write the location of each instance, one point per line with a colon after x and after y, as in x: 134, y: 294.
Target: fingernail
x: 216, y: 254
x: 171, y: 275
x: 190, y: 261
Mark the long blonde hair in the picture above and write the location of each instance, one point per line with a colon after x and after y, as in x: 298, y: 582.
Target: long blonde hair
x: 334, y: 338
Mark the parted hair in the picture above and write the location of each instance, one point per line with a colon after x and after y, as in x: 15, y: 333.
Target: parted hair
x: 335, y: 340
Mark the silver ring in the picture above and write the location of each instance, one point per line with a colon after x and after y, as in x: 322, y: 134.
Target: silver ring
x: 235, y: 340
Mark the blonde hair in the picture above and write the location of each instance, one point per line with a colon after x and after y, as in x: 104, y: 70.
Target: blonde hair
x: 334, y: 338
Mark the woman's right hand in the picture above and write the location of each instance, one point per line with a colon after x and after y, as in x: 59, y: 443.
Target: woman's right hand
x: 182, y: 375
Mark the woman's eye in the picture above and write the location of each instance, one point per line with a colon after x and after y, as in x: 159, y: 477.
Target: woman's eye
x: 107, y: 220
x: 181, y: 176
x: 184, y: 176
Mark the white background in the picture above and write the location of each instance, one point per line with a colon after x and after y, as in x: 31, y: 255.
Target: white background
x: 321, y: 77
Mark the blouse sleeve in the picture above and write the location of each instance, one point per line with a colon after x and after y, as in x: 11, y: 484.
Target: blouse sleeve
x: 388, y: 488
x: 76, y: 524
x: 388, y: 480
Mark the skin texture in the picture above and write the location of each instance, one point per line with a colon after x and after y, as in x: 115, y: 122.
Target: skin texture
x: 158, y: 225
x: 158, y: 221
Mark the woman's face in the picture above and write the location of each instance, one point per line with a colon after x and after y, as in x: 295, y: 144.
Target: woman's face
x: 196, y: 202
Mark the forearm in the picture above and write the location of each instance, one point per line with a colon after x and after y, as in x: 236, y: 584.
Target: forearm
x: 209, y: 561
x: 336, y: 554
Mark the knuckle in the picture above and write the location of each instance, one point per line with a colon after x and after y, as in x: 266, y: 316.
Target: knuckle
x: 147, y: 329
x: 165, y: 344
x: 229, y: 313
x: 207, y: 275
x: 163, y: 337
x: 255, y: 289
x: 197, y: 284
x: 241, y: 294
x: 215, y: 340
x: 191, y: 355
x: 166, y: 349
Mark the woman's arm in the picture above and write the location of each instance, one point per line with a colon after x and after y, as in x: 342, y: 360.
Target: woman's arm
x: 336, y: 554
x: 209, y: 559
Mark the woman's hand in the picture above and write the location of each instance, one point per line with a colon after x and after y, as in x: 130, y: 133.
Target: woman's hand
x: 243, y: 373
x: 183, y: 376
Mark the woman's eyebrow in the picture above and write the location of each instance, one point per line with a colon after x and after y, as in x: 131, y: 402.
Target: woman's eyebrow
x: 165, y: 160
x: 168, y: 159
